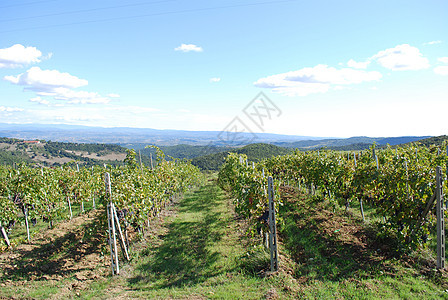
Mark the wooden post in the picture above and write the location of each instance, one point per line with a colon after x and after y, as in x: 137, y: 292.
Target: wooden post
x: 407, y: 180
x: 440, y: 220
x: 112, y: 240
x: 362, y: 210
x: 25, y: 212
x: 123, y: 242
x: 111, y: 225
x: 140, y: 156
x: 70, y: 207
x: 5, y: 236
x: 272, y: 227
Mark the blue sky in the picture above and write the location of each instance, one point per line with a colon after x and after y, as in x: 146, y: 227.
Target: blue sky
x: 332, y: 68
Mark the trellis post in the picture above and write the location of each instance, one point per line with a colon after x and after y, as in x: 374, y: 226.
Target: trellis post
x: 5, y: 235
x: 440, y: 220
x: 111, y: 225
x: 272, y: 227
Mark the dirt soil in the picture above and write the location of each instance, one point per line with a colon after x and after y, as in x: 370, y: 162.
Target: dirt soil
x: 71, y: 249
x: 75, y: 252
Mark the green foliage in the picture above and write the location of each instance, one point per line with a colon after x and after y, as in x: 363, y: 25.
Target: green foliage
x: 435, y: 141
x: 254, y: 152
x: 138, y: 193
x: 130, y: 159
x: 186, y: 151
x: 397, y: 187
x: 248, y: 185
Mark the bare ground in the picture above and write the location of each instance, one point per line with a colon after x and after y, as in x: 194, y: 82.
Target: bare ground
x: 72, y: 249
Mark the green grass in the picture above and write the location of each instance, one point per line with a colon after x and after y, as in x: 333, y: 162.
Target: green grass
x: 201, y: 254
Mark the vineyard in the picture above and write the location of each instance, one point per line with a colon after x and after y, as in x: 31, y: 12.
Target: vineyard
x: 48, y: 194
x: 194, y: 238
x: 399, y: 184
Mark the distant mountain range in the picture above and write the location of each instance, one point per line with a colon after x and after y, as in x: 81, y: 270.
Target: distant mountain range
x: 138, y: 138
x: 359, y: 141
x: 143, y: 136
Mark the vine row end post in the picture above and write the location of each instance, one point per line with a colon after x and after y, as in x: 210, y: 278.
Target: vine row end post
x: 272, y: 227
x: 440, y: 220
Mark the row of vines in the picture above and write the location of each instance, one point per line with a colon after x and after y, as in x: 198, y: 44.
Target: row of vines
x: 396, y: 182
x: 47, y: 194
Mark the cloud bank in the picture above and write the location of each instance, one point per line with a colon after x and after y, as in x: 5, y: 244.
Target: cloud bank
x: 59, y: 85
x: 322, y: 78
x: 318, y: 79
x: 18, y: 56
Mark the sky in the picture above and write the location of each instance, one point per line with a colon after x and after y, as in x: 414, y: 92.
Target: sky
x: 310, y: 68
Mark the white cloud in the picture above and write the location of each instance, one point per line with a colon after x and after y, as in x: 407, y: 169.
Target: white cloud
x: 432, y: 43
x: 330, y: 75
x: 215, y: 79
x: 132, y: 109
x: 441, y: 70
x: 188, y: 48
x: 60, y: 86
x: 39, y: 100
x: 443, y: 59
x: 358, y: 65
x: 318, y: 79
x: 113, y: 95
x: 401, y: 57
x: 37, y: 79
x: 79, y: 97
x: 18, y: 56
x: 10, y: 109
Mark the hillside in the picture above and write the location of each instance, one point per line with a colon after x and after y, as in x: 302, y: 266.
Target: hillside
x: 254, y: 152
x: 181, y: 151
x: 359, y: 142
x: 47, y: 153
x: 435, y: 140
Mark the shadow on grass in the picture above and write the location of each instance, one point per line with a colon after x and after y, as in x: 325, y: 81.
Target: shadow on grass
x: 51, y: 257
x: 184, y: 257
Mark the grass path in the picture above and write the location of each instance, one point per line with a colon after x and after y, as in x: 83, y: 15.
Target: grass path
x: 197, y: 254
